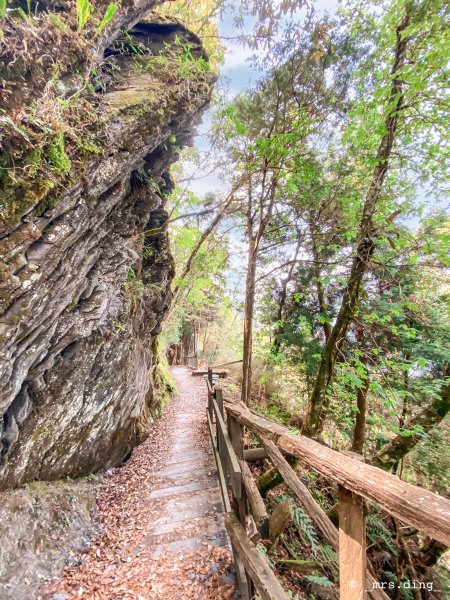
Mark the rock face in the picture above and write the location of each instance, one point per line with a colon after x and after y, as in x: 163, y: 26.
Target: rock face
x: 83, y: 290
x: 43, y: 526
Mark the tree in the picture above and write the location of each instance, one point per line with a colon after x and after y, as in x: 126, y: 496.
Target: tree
x: 366, y: 238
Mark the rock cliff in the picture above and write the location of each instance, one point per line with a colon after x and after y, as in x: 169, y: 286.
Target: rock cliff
x: 92, y: 117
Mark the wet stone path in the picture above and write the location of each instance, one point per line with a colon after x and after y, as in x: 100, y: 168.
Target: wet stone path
x: 160, y: 517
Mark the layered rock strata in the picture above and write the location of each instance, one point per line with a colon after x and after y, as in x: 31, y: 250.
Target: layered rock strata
x: 86, y: 264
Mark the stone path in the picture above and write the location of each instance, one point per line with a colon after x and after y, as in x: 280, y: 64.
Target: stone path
x: 162, y: 533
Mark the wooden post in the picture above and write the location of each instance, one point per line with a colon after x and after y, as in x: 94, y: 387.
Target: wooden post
x: 352, y: 546
x: 210, y: 401
x: 269, y: 588
x: 352, y: 542
x: 240, y: 507
x: 279, y: 520
x: 254, y: 454
x: 210, y: 375
x: 235, y: 431
x: 219, y: 400
x: 228, y: 455
x: 210, y: 406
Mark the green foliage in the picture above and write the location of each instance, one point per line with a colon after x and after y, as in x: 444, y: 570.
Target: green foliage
x: 330, y: 557
x: 274, y: 412
x: 33, y: 162
x: 135, y: 288
x: 2, y: 8
x: 58, y: 23
x: 165, y: 385
x: 319, y: 580
x: 147, y: 252
x: 109, y: 14
x: 379, y: 533
x: 306, y: 528
x: 57, y: 155
x: 200, y: 16
x: 263, y: 551
x: 46, y: 204
x: 231, y: 125
x: 84, y: 11
x: 427, y: 463
x: 189, y: 66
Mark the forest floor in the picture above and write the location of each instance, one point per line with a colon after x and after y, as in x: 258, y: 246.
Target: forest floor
x: 161, y: 529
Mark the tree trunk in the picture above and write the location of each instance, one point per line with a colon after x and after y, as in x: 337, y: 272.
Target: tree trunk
x: 198, y: 245
x: 402, y: 420
x: 314, y: 419
x: 391, y: 454
x: 361, y: 400
x: 360, y: 421
x: 282, y: 299
x: 266, y: 203
x: 319, y: 285
x: 248, y: 321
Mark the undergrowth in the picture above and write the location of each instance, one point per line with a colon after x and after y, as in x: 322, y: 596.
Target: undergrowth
x: 52, y: 125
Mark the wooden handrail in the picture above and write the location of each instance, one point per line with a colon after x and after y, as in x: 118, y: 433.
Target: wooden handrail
x: 268, y: 586
x: 233, y: 362
x: 210, y: 387
x: 226, y: 452
x: 356, y: 481
x: 315, y: 512
x: 220, y: 471
x: 415, y: 506
x: 255, y: 500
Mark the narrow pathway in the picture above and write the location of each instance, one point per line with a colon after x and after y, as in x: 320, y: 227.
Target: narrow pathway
x: 161, y: 529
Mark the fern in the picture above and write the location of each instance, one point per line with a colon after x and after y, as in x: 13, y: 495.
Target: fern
x: 84, y: 11
x: 262, y: 550
x: 307, y: 528
x: 109, y: 13
x: 330, y: 558
x: 329, y: 554
x: 405, y: 592
x: 378, y: 532
x: 318, y: 580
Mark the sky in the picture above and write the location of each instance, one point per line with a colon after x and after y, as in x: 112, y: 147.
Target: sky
x: 236, y: 75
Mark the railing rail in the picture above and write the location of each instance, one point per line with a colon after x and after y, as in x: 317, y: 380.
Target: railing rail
x: 192, y: 361
x: 356, y: 481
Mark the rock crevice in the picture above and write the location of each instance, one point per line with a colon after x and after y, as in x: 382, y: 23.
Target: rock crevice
x: 83, y: 290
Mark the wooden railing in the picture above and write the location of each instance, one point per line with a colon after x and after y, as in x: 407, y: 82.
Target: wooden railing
x: 357, y: 482
x: 192, y: 361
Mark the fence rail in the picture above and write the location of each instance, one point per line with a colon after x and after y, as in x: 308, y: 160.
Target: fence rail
x: 356, y: 481
x: 192, y: 362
